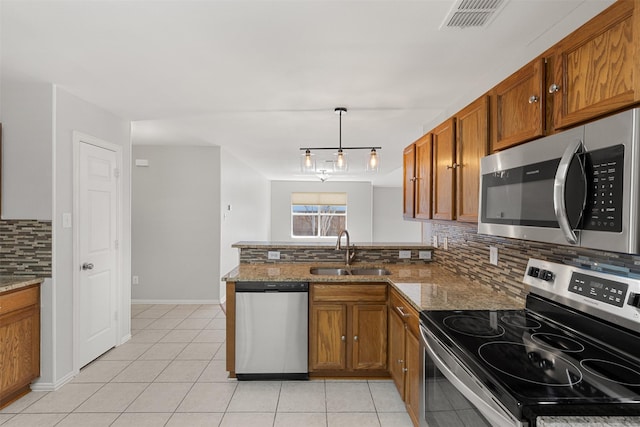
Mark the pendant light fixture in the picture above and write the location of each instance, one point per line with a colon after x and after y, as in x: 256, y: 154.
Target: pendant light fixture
x: 340, y: 161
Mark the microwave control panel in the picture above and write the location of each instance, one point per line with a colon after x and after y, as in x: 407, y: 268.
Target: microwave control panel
x: 604, y: 170
x: 599, y: 289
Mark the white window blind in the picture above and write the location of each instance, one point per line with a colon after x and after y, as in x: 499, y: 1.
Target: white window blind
x: 319, y: 199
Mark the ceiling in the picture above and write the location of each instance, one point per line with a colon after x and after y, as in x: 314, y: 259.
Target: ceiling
x: 261, y: 78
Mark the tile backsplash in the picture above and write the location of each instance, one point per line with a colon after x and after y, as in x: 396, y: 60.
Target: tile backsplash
x: 468, y: 255
x: 25, y: 247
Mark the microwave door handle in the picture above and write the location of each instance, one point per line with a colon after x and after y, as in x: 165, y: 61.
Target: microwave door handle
x: 559, y: 189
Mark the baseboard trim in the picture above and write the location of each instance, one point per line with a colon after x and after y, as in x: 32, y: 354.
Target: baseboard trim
x: 42, y: 386
x: 175, y: 301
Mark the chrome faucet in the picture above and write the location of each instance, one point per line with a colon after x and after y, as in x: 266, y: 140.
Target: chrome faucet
x: 350, y: 250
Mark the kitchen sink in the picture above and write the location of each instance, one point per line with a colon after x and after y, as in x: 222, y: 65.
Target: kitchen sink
x: 370, y: 272
x: 329, y: 271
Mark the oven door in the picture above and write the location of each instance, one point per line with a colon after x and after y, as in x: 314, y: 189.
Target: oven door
x: 452, y: 395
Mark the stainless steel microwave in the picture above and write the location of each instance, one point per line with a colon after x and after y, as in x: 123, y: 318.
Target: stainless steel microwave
x: 579, y: 187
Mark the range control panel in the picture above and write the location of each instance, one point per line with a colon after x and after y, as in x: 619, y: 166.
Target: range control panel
x: 607, y: 296
x: 599, y: 289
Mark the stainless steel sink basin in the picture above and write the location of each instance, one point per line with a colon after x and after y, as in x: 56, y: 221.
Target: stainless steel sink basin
x: 370, y: 272
x: 329, y: 271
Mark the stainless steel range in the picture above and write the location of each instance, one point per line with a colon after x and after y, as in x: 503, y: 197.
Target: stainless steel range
x: 574, y: 350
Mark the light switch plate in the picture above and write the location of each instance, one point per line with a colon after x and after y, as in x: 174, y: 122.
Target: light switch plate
x: 435, y: 241
x: 445, y: 244
x: 404, y: 254
x: 135, y: 280
x: 273, y: 255
x: 66, y: 220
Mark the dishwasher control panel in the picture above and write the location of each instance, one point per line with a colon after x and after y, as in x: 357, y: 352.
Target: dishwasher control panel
x: 272, y: 287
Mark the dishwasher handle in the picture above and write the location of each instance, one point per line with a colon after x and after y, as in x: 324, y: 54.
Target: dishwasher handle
x: 272, y: 287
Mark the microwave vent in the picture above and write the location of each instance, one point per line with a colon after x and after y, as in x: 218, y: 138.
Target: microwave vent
x: 472, y: 13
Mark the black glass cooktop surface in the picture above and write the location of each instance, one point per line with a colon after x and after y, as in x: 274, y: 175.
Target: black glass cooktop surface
x: 528, y: 360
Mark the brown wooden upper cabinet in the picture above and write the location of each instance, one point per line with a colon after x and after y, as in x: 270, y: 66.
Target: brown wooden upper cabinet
x: 444, y: 165
x: 417, y: 178
x: 409, y: 181
x: 472, y: 144
x: 518, y: 104
x: 596, y: 66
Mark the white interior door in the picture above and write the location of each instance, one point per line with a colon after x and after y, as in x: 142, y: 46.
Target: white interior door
x: 97, y: 249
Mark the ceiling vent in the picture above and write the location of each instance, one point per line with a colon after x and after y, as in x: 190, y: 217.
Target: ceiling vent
x: 472, y: 13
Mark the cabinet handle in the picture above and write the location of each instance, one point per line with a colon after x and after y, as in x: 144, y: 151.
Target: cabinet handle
x: 355, y: 338
x: 533, y: 99
x: 343, y: 338
x: 400, y: 361
x: 554, y: 88
x: 405, y: 370
x: 453, y: 166
x: 414, y: 179
x: 402, y: 313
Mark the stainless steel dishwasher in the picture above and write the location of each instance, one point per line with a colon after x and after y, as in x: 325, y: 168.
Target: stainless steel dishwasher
x: 272, y: 324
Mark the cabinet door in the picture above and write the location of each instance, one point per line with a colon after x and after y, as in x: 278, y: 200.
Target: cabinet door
x: 472, y: 145
x: 20, y: 358
x: 444, y: 155
x: 424, y: 160
x: 396, y: 350
x: 327, y: 337
x: 412, y: 379
x: 369, y: 336
x: 519, y: 106
x: 408, y: 184
x: 595, y: 67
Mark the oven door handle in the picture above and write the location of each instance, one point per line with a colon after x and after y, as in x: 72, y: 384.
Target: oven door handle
x: 560, y: 188
x: 494, y: 412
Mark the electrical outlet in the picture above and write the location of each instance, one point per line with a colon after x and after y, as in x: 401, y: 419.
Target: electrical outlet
x: 493, y: 255
x: 435, y: 241
x: 135, y: 280
x: 445, y: 244
x: 424, y: 254
x: 404, y: 254
x: 273, y: 255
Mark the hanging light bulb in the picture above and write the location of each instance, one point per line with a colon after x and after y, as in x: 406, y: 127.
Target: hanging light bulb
x: 307, y: 164
x: 340, y: 163
x: 374, y: 161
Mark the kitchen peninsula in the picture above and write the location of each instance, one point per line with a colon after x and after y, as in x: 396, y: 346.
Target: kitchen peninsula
x: 362, y: 325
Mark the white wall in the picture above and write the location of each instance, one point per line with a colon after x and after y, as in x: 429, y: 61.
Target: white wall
x: 38, y: 121
x: 359, y: 207
x: 248, y: 194
x: 388, y: 224
x: 176, y: 224
x: 26, y: 110
x: 74, y: 114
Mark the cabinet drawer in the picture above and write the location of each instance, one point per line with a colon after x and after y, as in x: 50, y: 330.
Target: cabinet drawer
x: 19, y: 299
x: 350, y: 292
x: 405, y: 310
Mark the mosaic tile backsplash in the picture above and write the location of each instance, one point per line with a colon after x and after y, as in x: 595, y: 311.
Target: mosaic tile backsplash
x: 329, y: 255
x: 468, y: 255
x: 25, y: 248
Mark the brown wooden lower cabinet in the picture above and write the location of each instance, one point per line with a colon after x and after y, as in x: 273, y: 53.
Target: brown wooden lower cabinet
x: 404, y: 352
x: 348, y: 329
x: 19, y: 342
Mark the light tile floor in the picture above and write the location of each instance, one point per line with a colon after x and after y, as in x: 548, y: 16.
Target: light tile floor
x: 172, y: 373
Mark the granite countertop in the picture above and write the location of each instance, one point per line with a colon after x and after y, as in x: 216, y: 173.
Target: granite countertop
x: 329, y: 244
x: 427, y: 286
x: 10, y: 283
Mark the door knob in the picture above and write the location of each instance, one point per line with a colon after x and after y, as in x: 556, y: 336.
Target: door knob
x: 87, y: 266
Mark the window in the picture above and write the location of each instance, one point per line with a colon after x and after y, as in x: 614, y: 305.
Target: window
x: 318, y: 214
